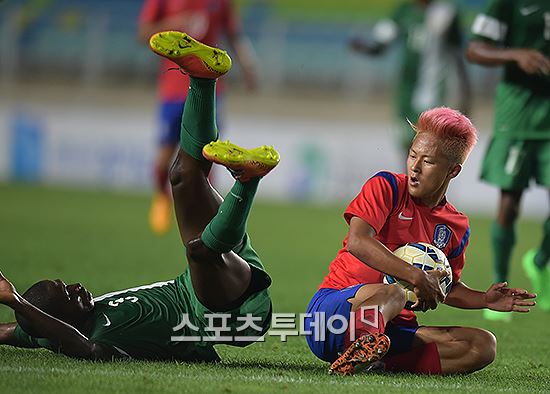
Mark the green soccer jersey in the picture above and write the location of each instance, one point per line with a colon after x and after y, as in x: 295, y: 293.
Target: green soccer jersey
x: 165, y: 321
x: 430, y: 37
x: 522, y: 101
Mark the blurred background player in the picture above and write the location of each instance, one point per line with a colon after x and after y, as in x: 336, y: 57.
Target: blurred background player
x: 224, y: 273
x: 516, y: 34
x: 431, y: 39
x: 207, y: 21
x: 390, y: 211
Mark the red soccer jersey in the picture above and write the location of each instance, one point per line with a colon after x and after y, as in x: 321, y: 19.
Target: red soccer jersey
x: 212, y: 19
x: 385, y: 203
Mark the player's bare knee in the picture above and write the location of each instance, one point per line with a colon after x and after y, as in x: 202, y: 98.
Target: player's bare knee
x: 485, y: 346
x: 176, y: 173
x: 197, y: 251
x: 393, y: 300
x: 395, y: 294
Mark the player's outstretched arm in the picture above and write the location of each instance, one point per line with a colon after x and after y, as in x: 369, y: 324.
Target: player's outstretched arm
x: 68, y: 339
x: 498, y: 298
x: 463, y: 297
x: 501, y: 298
x: 529, y: 60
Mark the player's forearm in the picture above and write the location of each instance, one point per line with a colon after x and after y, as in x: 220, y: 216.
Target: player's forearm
x: 374, y: 254
x: 461, y: 296
x: 67, y: 338
x: 489, y: 55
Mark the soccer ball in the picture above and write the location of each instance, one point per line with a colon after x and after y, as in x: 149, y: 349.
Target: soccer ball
x: 426, y: 257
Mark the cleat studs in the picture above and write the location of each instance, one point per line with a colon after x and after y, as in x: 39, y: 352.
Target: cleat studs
x: 371, y: 338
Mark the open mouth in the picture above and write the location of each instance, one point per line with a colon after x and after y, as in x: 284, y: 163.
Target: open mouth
x: 413, y: 181
x: 82, y: 295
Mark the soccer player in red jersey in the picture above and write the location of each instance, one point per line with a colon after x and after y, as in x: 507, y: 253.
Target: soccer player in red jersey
x: 207, y: 21
x: 392, y: 210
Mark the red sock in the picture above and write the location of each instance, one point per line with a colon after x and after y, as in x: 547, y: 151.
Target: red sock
x: 161, y: 179
x: 422, y: 360
x: 364, y: 323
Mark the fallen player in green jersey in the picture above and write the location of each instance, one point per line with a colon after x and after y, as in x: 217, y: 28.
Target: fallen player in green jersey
x: 221, y: 297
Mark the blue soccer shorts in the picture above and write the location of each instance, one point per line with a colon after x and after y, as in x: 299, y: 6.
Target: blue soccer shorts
x: 329, y: 323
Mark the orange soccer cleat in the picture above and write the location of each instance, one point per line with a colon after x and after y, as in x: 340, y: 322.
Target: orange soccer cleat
x: 365, y: 351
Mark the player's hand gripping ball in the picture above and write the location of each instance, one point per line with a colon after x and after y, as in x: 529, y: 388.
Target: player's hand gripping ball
x: 426, y: 257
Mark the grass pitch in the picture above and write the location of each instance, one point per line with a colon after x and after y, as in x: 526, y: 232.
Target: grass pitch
x: 102, y: 240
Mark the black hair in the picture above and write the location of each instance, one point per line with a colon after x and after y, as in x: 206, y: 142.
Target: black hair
x: 42, y: 297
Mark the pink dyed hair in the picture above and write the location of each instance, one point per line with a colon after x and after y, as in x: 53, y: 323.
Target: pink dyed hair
x: 454, y: 129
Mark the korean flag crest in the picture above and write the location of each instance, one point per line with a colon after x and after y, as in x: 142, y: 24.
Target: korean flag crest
x: 442, y: 235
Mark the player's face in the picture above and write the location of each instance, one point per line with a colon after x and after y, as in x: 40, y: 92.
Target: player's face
x: 429, y: 169
x: 74, y: 300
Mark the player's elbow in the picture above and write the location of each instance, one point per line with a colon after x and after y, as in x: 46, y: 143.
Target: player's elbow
x: 354, y: 243
x: 177, y: 173
x: 356, y: 246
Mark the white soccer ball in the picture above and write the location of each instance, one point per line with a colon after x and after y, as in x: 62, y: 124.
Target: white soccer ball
x: 426, y: 257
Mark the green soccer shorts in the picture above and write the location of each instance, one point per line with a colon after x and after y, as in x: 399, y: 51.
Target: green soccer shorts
x: 245, y: 323
x: 511, y: 163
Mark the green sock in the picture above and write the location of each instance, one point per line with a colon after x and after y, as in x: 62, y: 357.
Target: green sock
x: 503, y: 240
x: 198, y: 123
x: 226, y: 230
x: 541, y: 258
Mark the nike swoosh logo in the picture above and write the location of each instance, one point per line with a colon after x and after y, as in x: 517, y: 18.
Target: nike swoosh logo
x: 402, y: 217
x: 525, y: 11
x: 107, y: 321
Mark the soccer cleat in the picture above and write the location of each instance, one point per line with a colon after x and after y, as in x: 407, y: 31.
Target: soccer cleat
x: 194, y: 58
x: 533, y: 272
x: 540, y: 279
x: 160, y: 214
x: 243, y: 164
x: 505, y: 317
x: 365, y: 351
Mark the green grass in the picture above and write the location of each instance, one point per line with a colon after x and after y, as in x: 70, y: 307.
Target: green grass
x: 101, y: 240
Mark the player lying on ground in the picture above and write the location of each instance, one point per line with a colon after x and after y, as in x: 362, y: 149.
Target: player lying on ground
x: 224, y: 274
x: 392, y: 210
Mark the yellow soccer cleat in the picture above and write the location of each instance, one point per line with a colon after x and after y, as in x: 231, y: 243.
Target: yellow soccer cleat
x: 160, y: 214
x: 193, y: 58
x: 365, y: 351
x: 243, y: 164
